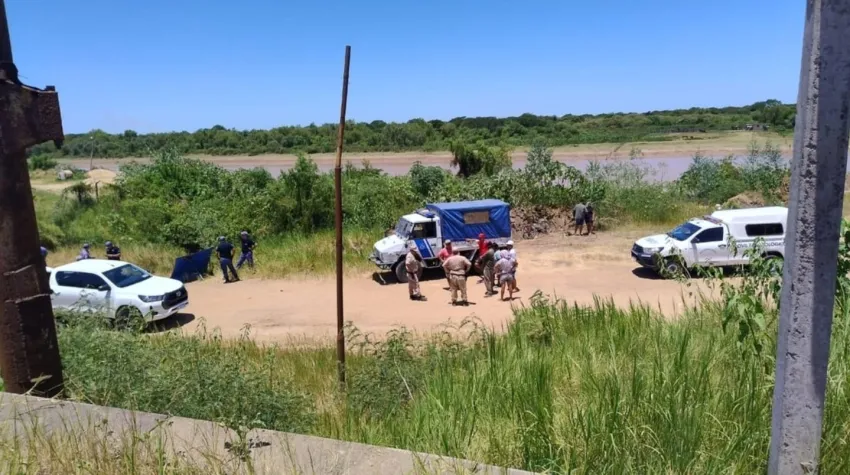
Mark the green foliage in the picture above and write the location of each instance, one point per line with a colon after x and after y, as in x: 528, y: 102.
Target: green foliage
x: 42, y: 162
x: 479, y: 158
x: 418, y: 134
x: 715, y: 181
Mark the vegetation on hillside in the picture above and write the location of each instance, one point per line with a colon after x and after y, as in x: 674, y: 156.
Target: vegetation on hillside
x: 155, y: 210
x: 567, y: 388
x: 418, y: 134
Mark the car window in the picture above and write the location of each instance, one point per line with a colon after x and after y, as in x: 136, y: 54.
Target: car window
x: 80, y: 280
x: 710, y: 235
x: 126, y: 275
x: 684, y: 231
x: 424, y: 230
x: 767, y: 229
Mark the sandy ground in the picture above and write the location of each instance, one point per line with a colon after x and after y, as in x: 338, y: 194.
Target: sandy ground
x: 96, y: 177
x: 574, y: 268
x: 673, y: 155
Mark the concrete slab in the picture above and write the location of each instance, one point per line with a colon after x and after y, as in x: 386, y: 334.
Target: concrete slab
x: 208, y: 445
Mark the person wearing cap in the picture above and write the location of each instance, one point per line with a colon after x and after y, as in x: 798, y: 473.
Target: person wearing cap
x: 443, y: 255
x: 486, y: 263
x: 247, y: 250
x: 413, y: 265
x: 113, y: 252
x: 505, y: 268
x: 510, y: 254
x: 456, y: 268
x: 43, y: 252
x: 224, y: 250
x: 84, y: 252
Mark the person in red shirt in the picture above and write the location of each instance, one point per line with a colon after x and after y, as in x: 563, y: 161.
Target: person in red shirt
x: 482, y: 249
x: 444, y: 254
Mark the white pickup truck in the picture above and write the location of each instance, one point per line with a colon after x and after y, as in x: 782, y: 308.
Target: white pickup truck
x: 719, y: 239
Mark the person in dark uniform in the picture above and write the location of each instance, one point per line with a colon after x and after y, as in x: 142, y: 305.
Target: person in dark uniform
x: 225, y: 259
x: 247, y: 250
x: 113, y: 252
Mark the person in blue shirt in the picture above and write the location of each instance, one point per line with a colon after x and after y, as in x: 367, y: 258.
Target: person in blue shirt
x: 247, y: 255
x: 224, y: 250
x: 113, y: 252
x: 84, y: 253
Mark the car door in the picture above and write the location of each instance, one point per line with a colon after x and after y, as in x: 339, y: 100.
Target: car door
x: 95, y: 293
x: 67, y: 289
x: 710, y: 246
x: 425, y: 236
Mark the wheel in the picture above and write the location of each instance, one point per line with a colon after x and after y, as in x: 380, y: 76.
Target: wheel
x: 401, y: 273
x: 673, y: 268
x: 127, y: 317
x: 774, y: 264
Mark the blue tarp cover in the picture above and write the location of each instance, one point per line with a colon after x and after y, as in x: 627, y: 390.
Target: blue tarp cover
x: 192, y: 267
x: 454, y: 225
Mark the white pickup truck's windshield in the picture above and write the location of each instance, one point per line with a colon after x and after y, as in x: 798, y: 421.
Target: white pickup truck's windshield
x: 684, y: 231
x: 403, y: 228
x: 126, y: 275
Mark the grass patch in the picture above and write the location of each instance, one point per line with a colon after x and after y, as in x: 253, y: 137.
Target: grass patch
x: 597, y: 389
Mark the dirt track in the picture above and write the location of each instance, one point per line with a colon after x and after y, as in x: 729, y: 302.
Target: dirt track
x: 573, y: 268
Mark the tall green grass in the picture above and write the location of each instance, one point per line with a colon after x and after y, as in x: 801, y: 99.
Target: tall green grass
x: 566, y: 388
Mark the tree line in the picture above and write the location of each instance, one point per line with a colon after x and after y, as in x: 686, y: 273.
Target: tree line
x: 433, y: 135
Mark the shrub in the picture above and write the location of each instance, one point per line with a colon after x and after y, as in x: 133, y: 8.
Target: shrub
x: 42, y: 162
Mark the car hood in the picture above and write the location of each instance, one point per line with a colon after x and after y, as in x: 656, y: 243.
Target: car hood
x: 153, y: 286
x: 657, y: 240
x: 392, y: 243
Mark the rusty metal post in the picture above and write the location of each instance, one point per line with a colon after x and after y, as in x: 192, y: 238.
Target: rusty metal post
x: 29, y: 352
x: 340, y: 321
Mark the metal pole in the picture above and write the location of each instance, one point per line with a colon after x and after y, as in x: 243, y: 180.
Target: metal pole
x: 29, y: 352
x: 340, y: 322
x: 818, y: 171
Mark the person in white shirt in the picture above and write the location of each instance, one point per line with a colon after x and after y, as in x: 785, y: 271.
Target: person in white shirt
x: 510, y: 253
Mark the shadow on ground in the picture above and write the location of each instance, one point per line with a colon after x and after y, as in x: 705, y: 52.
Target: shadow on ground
x: 173, y: 322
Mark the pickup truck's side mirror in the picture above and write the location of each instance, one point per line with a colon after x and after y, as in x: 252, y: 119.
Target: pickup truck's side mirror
x: 103, y: 287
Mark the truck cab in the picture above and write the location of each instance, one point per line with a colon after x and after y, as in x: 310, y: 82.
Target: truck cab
x: 720, y: 239
x: 429, y: 228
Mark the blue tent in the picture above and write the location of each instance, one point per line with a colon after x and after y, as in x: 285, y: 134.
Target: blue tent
x: 467, y: 219
x: 192, y: 267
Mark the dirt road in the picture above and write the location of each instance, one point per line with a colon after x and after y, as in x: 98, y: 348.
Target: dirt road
x: 573, y: 268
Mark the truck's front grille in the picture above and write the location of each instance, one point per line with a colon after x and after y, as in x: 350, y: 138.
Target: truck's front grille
x: 637, y: 249
x: 174, y: 298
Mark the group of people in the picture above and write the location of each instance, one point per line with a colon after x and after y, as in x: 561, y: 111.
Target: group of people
x: 113, y: 252
x: 583, y: 216
x: 224, y: 251
x: 498, y: 267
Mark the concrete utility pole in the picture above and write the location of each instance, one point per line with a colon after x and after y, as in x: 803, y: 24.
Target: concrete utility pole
x: 818, y: 172
x: 29, y: 352
x: 340, y: 142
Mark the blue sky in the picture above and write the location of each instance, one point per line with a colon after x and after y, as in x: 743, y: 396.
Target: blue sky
x: 156, y: 65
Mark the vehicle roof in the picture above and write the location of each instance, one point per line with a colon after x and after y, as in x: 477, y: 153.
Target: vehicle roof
x: 91, y: 265
x: 416, y: 218
x: 751, y: 214
x: 468, y: 205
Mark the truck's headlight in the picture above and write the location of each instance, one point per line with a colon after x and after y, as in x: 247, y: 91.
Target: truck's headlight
x: 151, y: 298
x: 652, y: 250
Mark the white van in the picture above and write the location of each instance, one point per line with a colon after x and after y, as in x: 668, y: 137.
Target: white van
x: 720, y: 239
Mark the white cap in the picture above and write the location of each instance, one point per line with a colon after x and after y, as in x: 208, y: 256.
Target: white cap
x: 412, y: 246
x: 510, y: 243
x: 448, y: 241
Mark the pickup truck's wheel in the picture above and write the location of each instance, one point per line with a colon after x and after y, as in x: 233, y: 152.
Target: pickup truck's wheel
x: 673, y: 268
x: 127, y: 317
x: 774, y: 264
x: 401, y: 272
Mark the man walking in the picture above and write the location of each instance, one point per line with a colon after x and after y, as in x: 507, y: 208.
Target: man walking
x: 487, y: 263
x: 443, y: 255
x: 113, y: 252
x: 579, y: 215
x: 510, y: 254
x: 413, y: 265
x: 505, y: 275
x: 247, y: 251
x: 456, y: 268
x: 225, y: 259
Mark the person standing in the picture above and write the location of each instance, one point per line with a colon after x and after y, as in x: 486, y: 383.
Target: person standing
x: 482, y: 249
x: 487, y: 263
x: 579, y: 215
x: 248, y: 246
x: 588, y: 218
x: 413, y: 265
x: 44, y: 252
x: 113, y: 252
x: 505, y: 276
x: 225, y: 259
x: 510, y: 253
x: 443, y: 255
x: 84, y: 252
x: 456, y: 268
